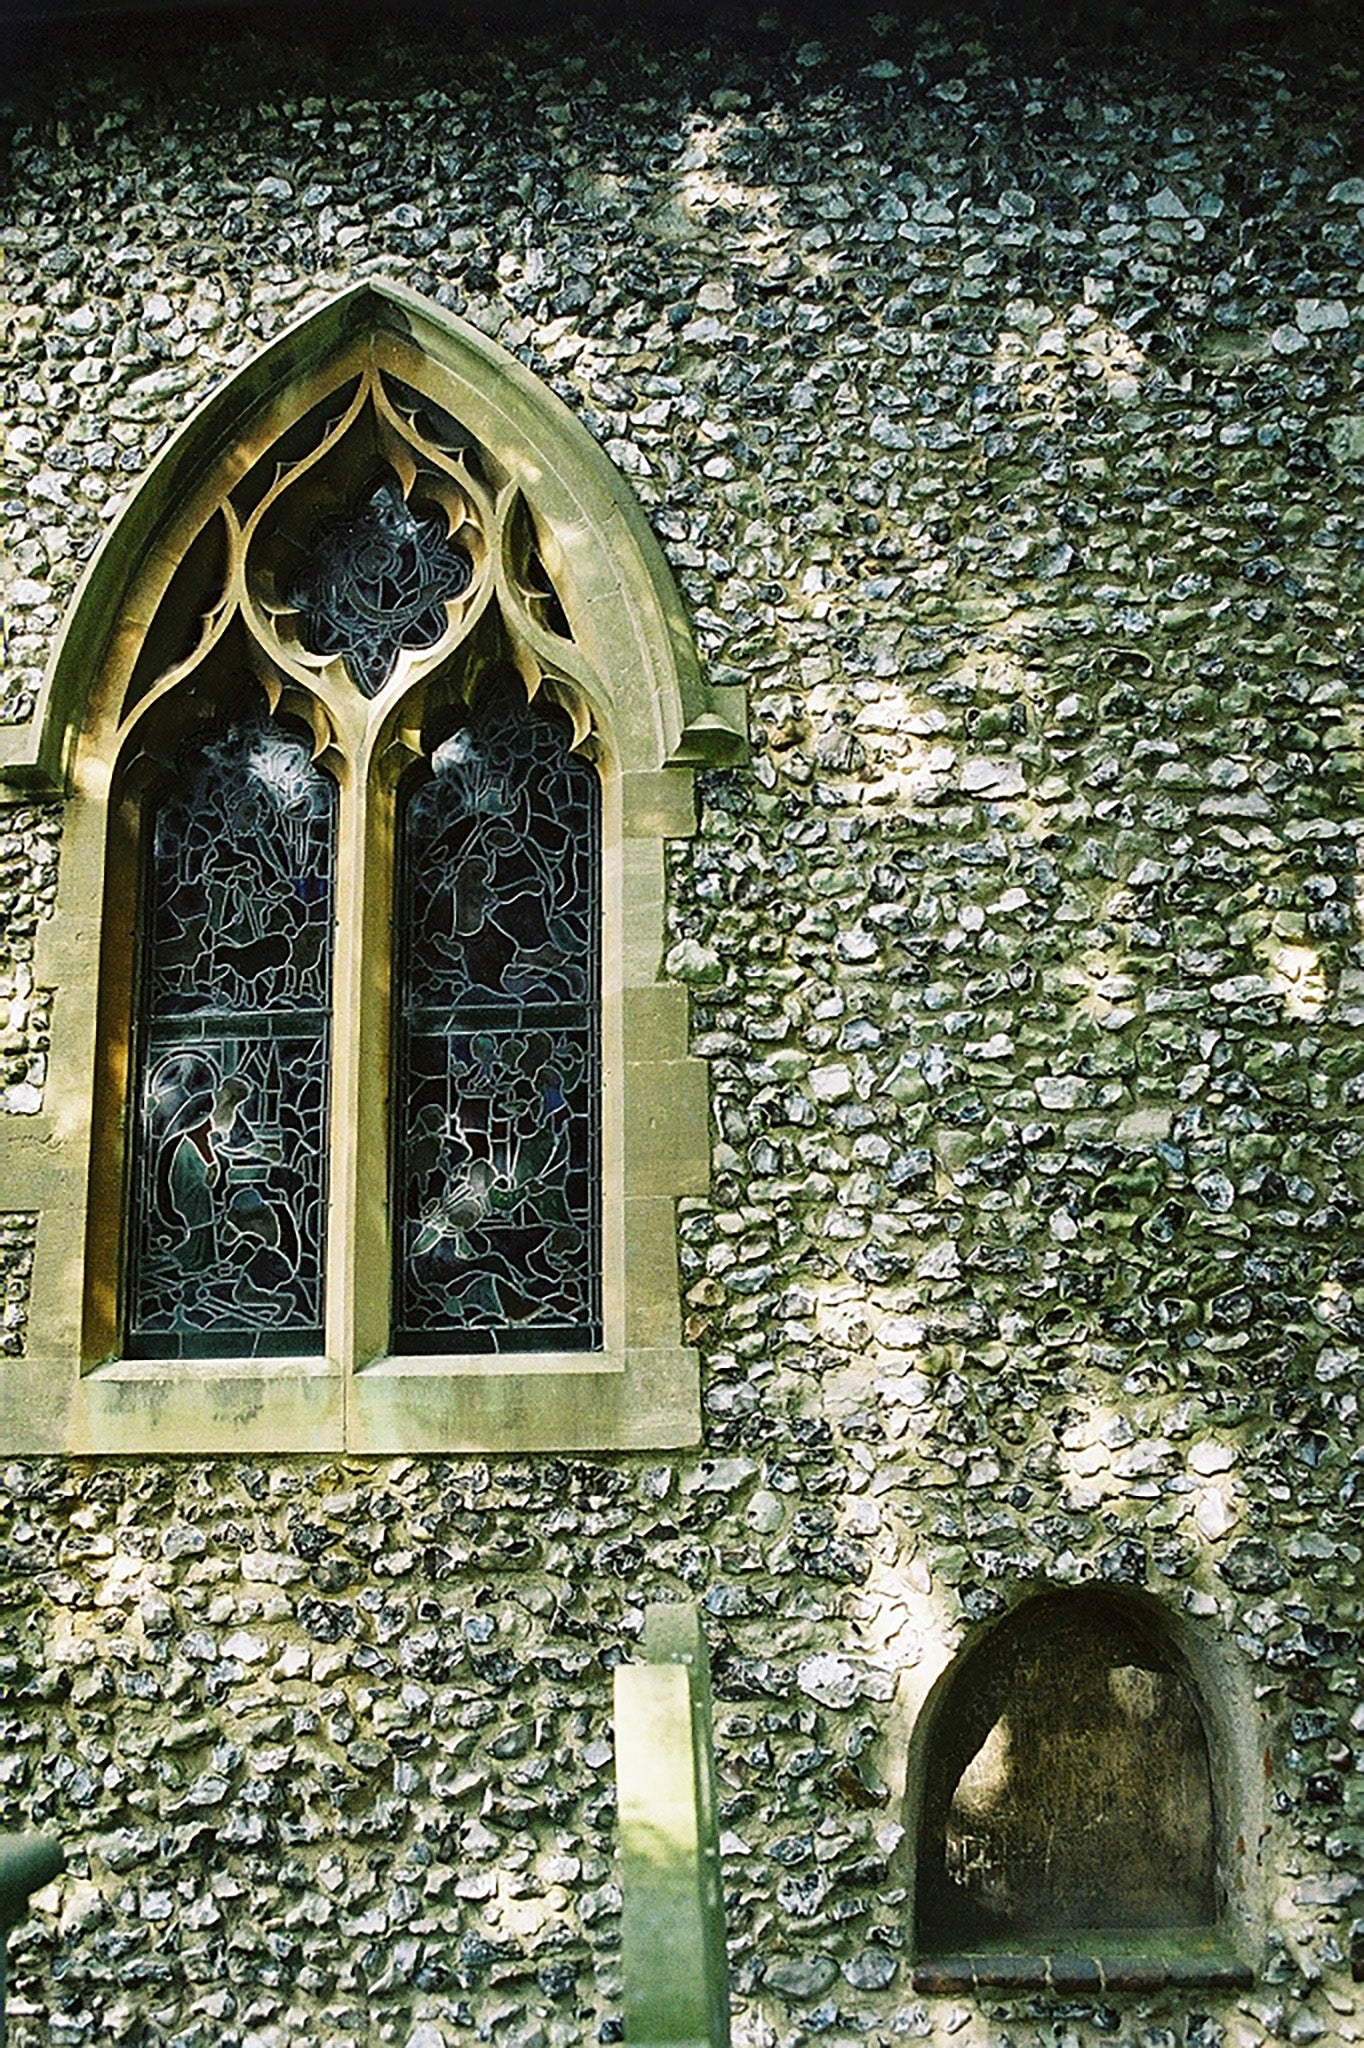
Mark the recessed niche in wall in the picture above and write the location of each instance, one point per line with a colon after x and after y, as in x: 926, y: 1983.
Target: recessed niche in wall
x: 1068, y: 1806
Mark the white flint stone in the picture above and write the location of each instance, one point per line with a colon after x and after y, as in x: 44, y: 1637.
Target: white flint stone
x: 719, y: 1475
x: 1060, y: 1091
x: 1167, y: 205
x: 694, y: 963
x: 831, y: 1084
x: 246, y: 1648
x: 940, y: 1263
x: 988, y: 776
x: 1288, y: 341
x: 1322, y: 316
x: 1215, y: 1514
x: 832, y: 1680
x: 900, y: 1333
x: 912, y: 1390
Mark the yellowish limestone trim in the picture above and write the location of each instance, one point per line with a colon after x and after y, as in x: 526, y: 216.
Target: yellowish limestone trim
x: 185, y: 548
x: 673, y: 1953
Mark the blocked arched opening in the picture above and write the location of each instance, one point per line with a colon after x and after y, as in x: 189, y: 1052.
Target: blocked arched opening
x: 1075, y: 1796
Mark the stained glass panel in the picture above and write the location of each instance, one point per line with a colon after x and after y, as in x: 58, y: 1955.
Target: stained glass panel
x: 497, y: 1146
x: 227, y: 1217
x: 378, y: 581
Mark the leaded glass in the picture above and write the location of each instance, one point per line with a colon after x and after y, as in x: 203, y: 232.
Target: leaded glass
x: 229, y: 1145
x: 378, y: 581
x: 497, y: 1146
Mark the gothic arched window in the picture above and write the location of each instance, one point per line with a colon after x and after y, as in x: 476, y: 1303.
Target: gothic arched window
x: 376, y: 709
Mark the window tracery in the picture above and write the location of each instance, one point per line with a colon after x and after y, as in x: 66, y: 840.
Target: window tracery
x: 384, y: 567
x: 376, y: 581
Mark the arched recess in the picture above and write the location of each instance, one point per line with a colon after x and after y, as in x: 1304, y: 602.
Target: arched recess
x: 1081, y: 1804
x: 379, y: 438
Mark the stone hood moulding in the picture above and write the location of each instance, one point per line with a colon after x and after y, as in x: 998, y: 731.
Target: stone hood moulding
x: 646, y: 658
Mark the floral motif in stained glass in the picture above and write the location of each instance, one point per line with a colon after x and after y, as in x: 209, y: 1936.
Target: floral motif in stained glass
x: 497, y: 1140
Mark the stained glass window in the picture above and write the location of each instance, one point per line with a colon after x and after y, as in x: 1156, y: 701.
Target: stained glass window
x: 225, y: 1253
x: 378, y: 581
x: 496, y: 1097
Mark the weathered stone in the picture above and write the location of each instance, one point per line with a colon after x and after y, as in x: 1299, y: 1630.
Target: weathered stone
x: 801, y: 1979
x: 1003, y: 437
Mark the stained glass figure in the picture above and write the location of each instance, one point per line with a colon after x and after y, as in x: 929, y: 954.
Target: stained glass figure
x: 497, y: 1142
x: 376, y: 582
x: 225, y: 1253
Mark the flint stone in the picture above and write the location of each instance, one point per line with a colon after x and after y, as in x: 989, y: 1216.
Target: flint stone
x: 1345, y: 438
x: 1335, y: 1890
x: 1167, y: 205
x: 993, y: 778
x: 831, y: 1084
x: 900, y: 1333
x: 693, y: 963
x: 719, y: 1475
x: 912, y: 1390
x: 801, y: 1979
x: 1322, y: 316
x: 1215, y: 1516
x: 1288, y: 341
x: 246, y: 1648
x: 832, y: 1680
x: 871, y: 1971
x: 1253, y: 1566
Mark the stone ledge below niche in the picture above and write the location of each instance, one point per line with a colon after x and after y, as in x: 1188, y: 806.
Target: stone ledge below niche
x: 1116, y: 1966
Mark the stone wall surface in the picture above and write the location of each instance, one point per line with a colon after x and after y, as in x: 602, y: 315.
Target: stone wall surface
x: 998, y: 401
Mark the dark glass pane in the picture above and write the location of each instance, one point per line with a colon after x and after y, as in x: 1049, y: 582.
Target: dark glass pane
x: 228, y: 1198
x: 378, y: 581
x: 497, y: 1166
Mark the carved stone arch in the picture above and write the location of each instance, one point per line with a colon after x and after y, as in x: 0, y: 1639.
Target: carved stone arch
x: 627, y: 617
x: 533, y: 551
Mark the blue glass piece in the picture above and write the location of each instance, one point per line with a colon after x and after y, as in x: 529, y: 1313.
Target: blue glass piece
x: 497, y: 1089
x: 376, y: 582
x: 228, y: 1212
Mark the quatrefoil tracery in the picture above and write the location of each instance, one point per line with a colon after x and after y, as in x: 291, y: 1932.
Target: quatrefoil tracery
x: 376, y: 582
x: 363, y: 563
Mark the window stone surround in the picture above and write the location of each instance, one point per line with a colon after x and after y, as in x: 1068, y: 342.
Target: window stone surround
x: 632, y: 673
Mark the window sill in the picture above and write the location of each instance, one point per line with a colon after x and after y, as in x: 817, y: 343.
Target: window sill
x: 200, y: 1370
x: 489, y: 1364
x: 1116, y: 1964
x: 635, y: 1398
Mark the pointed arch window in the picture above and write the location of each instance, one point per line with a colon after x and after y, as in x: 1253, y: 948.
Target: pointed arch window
x: 377, y: 709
